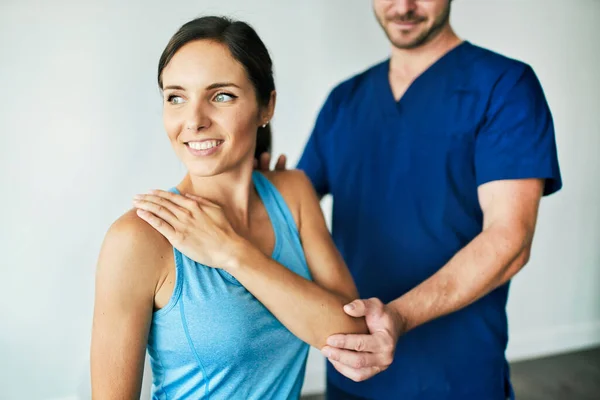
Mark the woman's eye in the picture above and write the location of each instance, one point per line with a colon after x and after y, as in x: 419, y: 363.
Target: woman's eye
x: 224, y: 97
x: 175, y: 99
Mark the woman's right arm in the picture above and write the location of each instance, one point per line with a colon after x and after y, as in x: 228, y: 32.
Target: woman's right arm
x: 127, y: 277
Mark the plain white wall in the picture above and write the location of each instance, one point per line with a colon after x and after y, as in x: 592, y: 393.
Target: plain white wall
x: 81, y: 132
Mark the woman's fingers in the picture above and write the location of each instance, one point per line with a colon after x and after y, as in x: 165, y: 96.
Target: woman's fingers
x: 161, y: 207
x: 181, y: 201
x: 158, y: 223
x: 201, y: 201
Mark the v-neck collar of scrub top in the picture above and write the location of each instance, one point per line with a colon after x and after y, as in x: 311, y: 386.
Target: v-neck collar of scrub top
x: 388, y: 104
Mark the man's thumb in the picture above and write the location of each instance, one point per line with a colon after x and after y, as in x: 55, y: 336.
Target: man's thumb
x: 357, y: 308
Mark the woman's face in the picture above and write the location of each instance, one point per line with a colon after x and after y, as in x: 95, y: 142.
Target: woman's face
x: 210, y: 112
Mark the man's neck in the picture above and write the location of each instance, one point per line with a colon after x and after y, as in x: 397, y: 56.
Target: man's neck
x: 407, y: 64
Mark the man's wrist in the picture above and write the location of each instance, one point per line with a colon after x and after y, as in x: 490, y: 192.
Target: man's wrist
x: 403, y: 316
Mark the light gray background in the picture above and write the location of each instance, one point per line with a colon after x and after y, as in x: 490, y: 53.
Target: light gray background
x: 81, y: 132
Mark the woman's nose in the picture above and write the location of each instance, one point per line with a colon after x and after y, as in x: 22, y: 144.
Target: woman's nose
x: 198, y: 118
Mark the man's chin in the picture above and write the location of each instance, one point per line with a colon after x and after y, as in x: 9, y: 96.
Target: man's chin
x: 409, y: 42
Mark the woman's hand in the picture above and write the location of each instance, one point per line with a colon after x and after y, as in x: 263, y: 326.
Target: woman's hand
x: 195, y: 226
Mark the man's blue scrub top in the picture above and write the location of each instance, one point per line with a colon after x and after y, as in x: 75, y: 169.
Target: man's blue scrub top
x: 404, y: 178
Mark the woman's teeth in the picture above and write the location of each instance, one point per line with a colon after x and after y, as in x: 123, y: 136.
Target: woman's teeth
x: 204, y: 145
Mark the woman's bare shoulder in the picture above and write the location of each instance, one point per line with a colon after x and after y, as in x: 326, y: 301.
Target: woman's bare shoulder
x: 291, y: 181
x: 132, y: 245
x: 295, y: 188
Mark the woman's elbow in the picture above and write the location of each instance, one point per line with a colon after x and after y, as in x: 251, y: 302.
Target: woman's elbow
x: 344, y: 325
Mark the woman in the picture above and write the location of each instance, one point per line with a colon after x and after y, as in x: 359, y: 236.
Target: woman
x: 227, y: 278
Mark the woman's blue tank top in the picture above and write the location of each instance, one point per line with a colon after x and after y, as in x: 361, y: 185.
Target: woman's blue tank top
x: 215, y: 340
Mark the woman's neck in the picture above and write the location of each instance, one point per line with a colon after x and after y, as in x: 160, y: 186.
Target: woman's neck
x: 233, y: 191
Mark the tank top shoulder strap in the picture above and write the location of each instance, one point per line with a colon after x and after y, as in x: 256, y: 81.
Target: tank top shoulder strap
x: 178, y: 255
x: 273, y: 200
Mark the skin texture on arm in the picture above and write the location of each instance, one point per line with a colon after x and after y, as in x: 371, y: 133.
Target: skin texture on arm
x: 510, y: 209
x: 127, y: 277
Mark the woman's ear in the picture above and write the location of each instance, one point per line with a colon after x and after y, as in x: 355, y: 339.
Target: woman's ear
x: 269, y: 110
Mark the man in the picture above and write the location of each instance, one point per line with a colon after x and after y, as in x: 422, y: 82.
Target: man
x: 436, y: 159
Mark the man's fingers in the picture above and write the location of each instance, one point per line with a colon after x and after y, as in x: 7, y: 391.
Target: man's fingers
x: 351, y: 358
x: 360, y: 308
x: 357, y: 375
x: 264, y: 162
x: 357, y: 308
x: 354, y: 342
x: 280, y: 165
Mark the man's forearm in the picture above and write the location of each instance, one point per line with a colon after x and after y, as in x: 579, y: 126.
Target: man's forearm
x: 490, y: 260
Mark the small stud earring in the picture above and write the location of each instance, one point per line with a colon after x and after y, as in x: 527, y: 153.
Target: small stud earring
x: 265, y: 125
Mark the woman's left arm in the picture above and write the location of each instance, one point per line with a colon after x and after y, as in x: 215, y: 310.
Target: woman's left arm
x: 312, y: 310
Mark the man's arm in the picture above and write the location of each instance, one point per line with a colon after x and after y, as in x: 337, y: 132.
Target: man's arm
x: 490, y: 260
x: 510, y: 209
